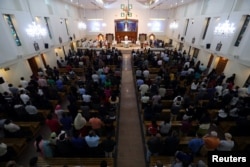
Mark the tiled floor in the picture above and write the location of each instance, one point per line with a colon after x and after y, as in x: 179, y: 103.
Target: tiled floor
x: 130, y: 145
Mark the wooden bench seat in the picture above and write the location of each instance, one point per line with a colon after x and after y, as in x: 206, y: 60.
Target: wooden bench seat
x: 44, y: 113
x: 153, y: 70
x: 168, y: 160
x: 60, y: 161
x: 18, y: 144
x: 173, y: 123
x: 33, y: 127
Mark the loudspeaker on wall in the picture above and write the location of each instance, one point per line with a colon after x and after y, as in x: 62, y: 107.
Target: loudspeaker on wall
x: 46, y: 45
x: 208, y: 45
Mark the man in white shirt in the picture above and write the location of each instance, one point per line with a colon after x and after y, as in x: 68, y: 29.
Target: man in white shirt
x: 143, y: 89
x: 24, y: 97
x: 95, y: 78
x: 11, y: 127
x: 23, y: 82
x: 145, y: 73
x: 31, y: 110
x: 86, y: 99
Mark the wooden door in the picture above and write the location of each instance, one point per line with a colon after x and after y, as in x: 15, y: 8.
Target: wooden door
x: 211, y: 58
x: 33, y: 65
x: 221, y: 65
x: 44, y: 61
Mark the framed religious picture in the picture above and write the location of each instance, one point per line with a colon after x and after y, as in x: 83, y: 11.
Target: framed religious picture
x: 218, y: 47
x: 122, y: 6
x: 130, y: 6
x: 122, y: 14
x: 60, y: 39
x: 36, y: 46
x: 129, y: 14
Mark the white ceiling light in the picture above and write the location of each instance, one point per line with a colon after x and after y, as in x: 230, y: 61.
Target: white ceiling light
x: 173, y: 25
x: 82, y: 25
x: 225, y: 29
x: 35, y: 30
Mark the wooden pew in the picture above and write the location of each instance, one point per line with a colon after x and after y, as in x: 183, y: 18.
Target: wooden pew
x: 167, y: 103
x: 173, y: 123
x: 33, y: 127
x: 167, y: 160
x: 18, y: 144
x: 60, y: 161
x: 44, y: 113
x: 153, y: 70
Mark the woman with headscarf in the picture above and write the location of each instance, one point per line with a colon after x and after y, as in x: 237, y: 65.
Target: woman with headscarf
x: 79, y: 123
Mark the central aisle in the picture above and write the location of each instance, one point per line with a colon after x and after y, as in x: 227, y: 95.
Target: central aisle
x: 130, y: 146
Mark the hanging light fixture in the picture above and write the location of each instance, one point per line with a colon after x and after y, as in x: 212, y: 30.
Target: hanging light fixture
x: 82, y: 25
x: 225, y: 29
x: 35, y: 30
x: 173, y: 25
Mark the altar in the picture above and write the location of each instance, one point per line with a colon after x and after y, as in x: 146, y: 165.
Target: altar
x: 126, y: 43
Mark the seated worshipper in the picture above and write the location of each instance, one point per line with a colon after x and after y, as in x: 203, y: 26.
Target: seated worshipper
x: 170, y: 144
x: 43, y: 147
x: 143, y: 89
x: 78, y: 143
x: 185, y: 158
x: 149, y: 114
x: 176, y: 106
x: 108, y: 146
x: 138, y: 73
x: 153, y: 128
x: 81, y: 90
x: 162, y: 92
x: 145, y: 73
x: 53, y: 124
x: 186, y: 125
x: 34, y: 115
x: 144, y: 100
x: 92, y: 140
x: 156, y: 98
x: 86, y: 98
x: 165, y: 127
x: 63, y: 146
x: 6, y: 153
x: 11, y: 129
x: 59, y: 84
x: 139, y: 82
x: 211, y: 142
x: 159, y: 164
x: 114, y: 100
x: 154, y: 145
x: 79, y: 124
x: 95, y: 77
x: 59, y: 111
x: 227, y: 144
x: 24, y: 97
x: 66, y: 123
x: 96, y: 124
x: 195, y: 144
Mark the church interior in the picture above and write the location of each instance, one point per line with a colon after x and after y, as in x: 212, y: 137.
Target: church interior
x: 118, y: 83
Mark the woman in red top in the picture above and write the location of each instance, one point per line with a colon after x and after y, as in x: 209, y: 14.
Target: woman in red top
x: 153, y: 129
x: 53, y: 124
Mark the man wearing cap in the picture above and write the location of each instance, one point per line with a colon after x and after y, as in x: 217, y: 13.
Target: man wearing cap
x: 227, y: 144
x: 211, y: 142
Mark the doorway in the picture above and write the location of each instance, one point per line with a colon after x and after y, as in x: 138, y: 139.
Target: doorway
x: 43, y: 60
x: 221, y: 65
x: 210, y: 61
x: 33, y: 65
